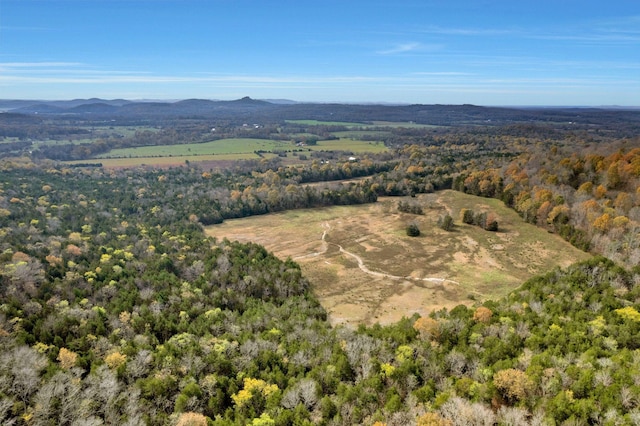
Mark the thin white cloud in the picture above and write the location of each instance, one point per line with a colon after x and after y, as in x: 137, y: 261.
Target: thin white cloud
x: 21, y: 65
x: 406, y: 48
x: 442, y: 73
x: 108, y: 78
x: 472, y: 32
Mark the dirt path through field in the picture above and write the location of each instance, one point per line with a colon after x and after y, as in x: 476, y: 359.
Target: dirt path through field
x: 365, y: 269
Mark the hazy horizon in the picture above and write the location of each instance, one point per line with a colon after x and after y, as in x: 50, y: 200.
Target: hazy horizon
x: 490, y: 53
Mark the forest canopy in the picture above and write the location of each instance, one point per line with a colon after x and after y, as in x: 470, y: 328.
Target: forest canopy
x: 115, y: 308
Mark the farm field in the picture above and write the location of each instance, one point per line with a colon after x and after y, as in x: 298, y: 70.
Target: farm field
x: 364, y: 269
x: 170, y: 161
x: 364, y: 125
x: 325, y: 123
x: 351, y: 145
x: 217, y: 147
x: 358, y: 134
x: 225, y: 150
x: 97, y: 132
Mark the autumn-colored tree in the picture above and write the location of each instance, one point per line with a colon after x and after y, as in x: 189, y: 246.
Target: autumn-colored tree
x: 542, y: 194
x: 560, y: 212
x: 482, y: 314
x: 253, y: 387
x: 428, y: 328
x: 623, y: 202
x: 53, y: 260
x: 603, y: 223
x: 491, y: 224
x: 514, y: 385
x: 191, y: 419
x: 433, y: 419
x: 599, y: 192
x: 613, y: 176
x: 74, y: 250
x: 543, y: 212
x: 67, y: 358
x: 585, y: 189
x: 620, y: 222
x: 115, y: 359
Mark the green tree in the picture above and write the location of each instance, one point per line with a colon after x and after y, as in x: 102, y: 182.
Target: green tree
x: 413, y: 230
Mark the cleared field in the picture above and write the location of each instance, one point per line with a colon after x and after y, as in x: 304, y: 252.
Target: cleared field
x: 325, y: 123
x: 222, y: 146
x: 352, y: 124
x: 358, y: 134
x: 364, y: 269
x: 97, y: 132
x: 242, y: 148
x: 346, y: 144
x: 224, y: 150
x: 169, y: 161
x: 402, y: 124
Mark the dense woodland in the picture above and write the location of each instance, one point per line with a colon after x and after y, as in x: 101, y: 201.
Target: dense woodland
x: 115, y: 308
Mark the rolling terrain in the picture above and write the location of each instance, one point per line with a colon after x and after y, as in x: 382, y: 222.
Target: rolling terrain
x: 364, y: 269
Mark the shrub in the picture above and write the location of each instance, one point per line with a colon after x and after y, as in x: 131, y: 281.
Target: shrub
x: 413, y: 230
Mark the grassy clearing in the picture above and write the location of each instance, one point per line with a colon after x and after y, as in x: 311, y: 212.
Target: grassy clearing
x: 403, y: 124
x: 368, y: 124
x: 241, y: 148
x: 98, y: 132
x: 218, y: 147
x: 352, y: 145
x: 167, y: 161
x: 359, y: 134
x: 404, y: 275
x: 325, y: 123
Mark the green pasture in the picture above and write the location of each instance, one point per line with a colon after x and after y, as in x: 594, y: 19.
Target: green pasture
x: 168, y: 161
x: 326, y: 123
x: 218, y: 147
x: 352, y: 145
x: 8, y: 139
x: 97, y: 132
x: 407, y: 124
x: 243, y: 148
x: 359, y: 134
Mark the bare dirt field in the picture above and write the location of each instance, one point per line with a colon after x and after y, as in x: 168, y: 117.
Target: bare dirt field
x: 365, y: 269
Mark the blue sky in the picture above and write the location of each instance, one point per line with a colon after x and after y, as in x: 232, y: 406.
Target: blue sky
x: 542, y: 52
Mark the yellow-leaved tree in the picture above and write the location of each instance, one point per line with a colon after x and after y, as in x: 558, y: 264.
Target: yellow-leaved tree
x: 67, y: 358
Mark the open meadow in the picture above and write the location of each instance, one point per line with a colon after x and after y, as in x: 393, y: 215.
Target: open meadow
x: 365, y: 269
x: 227, y: 150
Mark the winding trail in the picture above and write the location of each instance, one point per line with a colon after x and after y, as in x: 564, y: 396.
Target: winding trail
x: 361, y: 264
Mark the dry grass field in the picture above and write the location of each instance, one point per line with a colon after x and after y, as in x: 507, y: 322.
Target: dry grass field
x: 365, y: 269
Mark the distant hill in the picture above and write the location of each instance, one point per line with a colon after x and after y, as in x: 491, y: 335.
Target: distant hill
x: 261, y: 110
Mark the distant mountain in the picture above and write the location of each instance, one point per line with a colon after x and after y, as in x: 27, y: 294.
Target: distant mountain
x: 246, y: 109
x: 94, y: 108
x: 39, y: 108
x: 281, y: 101
x: 59, y: 107
x: 10, y: 104
x: 247, y: 101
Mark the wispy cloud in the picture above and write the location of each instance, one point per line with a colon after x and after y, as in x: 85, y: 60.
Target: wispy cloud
x: 471, y: 32
x: 117, y: 77
x: 410, y: 47
x: 37, y: 65
x: 442, y: 73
